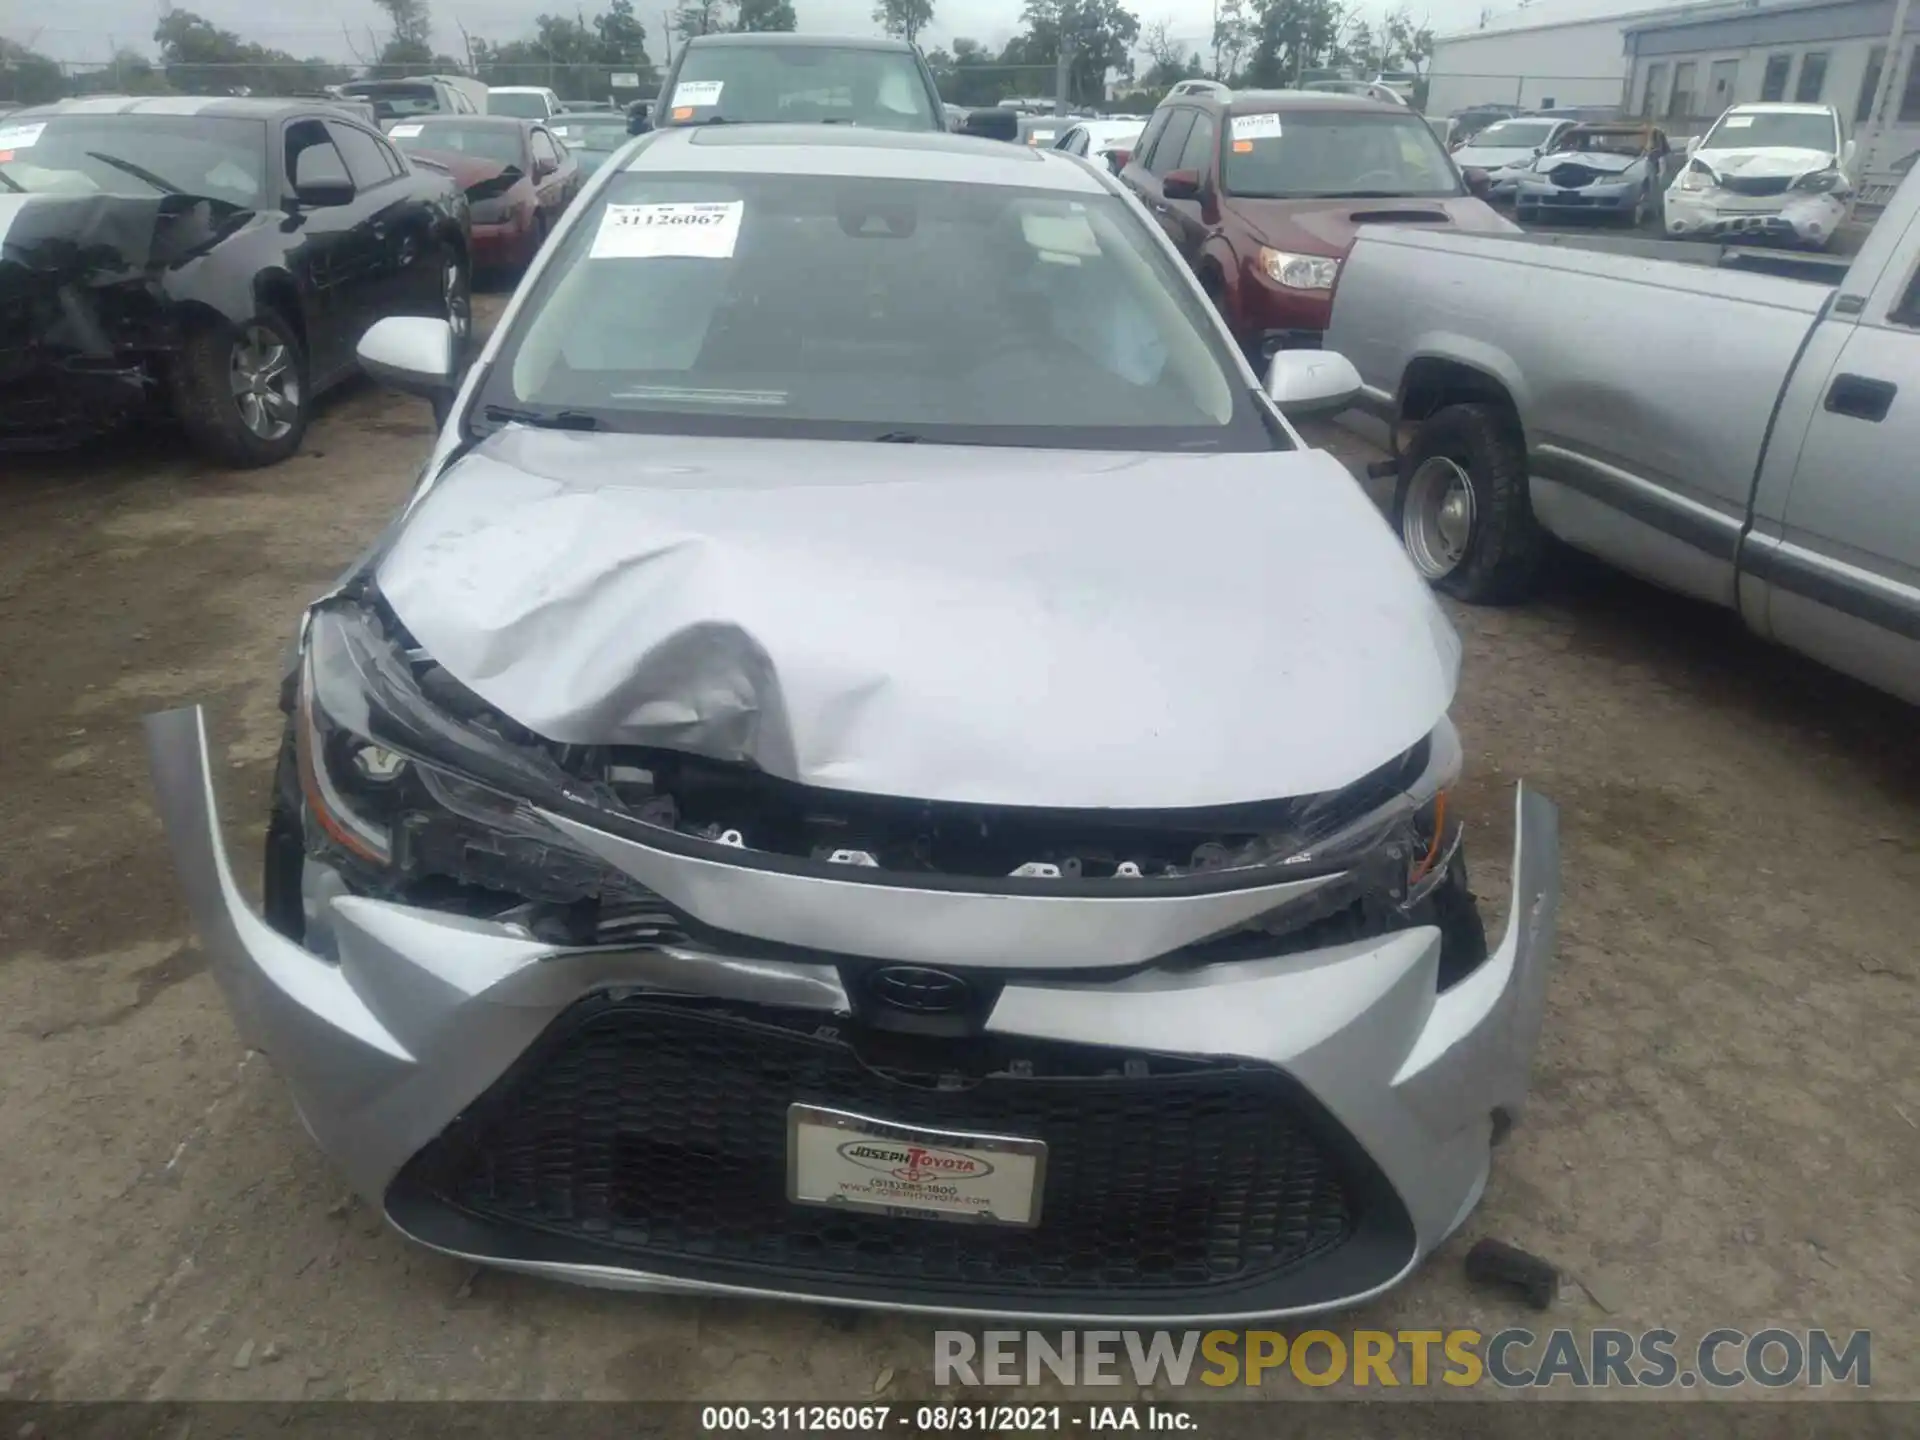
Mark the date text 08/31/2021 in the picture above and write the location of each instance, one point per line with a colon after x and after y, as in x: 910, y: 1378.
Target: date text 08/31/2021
x: 942, y: 1418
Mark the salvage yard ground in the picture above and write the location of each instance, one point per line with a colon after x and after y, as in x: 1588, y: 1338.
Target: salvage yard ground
x: 1724, y: 1124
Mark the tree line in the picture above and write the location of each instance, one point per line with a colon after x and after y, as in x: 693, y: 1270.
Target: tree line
x: 1259, y: 43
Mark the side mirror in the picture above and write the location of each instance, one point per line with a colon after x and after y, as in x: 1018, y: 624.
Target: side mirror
x: 1693, y: 143
x: 544, y: 168
x: 1308, y: 382
x: 1479, y: 183
x: 1846, y: 157
x: 994, y: 124
x: 1180, y: 185
x: 1117, y: 160
x: 413, y: 354
x: 320, y: 178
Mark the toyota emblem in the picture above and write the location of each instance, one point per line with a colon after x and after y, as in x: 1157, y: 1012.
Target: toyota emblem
x: 922, y: 991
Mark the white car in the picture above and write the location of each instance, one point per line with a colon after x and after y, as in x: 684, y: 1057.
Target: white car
x: 1507, y: 149
x: 528, y: 102
x: 1765, y: 171
x: 1108, y: 142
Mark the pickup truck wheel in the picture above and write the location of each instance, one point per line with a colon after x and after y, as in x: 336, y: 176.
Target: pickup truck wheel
x: 1462, y: 506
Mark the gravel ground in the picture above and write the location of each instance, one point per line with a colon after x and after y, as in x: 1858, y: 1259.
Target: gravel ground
x: 1723, y: 1130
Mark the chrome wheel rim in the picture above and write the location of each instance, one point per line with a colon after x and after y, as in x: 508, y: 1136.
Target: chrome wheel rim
x: 1437, y: 521
x: 266, y: 387
x: 453, y: 295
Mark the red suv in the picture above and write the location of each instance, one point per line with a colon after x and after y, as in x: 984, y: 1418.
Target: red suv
x: 1263, y: 192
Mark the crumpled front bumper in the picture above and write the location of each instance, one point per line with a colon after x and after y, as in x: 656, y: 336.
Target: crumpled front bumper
x: 423, y: 1012
x: 1721, y: 215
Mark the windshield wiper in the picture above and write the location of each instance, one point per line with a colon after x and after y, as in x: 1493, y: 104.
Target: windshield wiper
x: 139, y: 172
x: 541, y: 419
x: 12, y: 184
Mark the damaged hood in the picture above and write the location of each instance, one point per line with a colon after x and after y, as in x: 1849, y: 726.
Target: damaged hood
x: 973, y: 624
x: 1493, y: 157
x: 1769, y: 164
x: 53, y: 239
x: 1600, y: 162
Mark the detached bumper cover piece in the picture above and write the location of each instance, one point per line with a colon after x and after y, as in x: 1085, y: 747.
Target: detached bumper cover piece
x: 1806, y: 218
x: 1255, y: 1138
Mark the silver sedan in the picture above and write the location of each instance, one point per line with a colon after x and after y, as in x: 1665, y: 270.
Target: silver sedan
x: 874, y: 767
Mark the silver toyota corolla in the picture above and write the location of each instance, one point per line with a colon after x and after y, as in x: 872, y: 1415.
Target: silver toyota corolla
x: 874, y: 766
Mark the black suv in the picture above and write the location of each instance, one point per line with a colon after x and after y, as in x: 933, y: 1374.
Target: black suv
x: 769, y: 77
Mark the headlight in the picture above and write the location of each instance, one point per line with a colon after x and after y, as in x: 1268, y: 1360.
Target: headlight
x: 1821, y: 182
x: 1299, y: 272
x: 1696, y: 177
x: 401, y: 788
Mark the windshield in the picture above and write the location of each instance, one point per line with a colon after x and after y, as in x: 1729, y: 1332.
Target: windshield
x: 461, y: 137
x: 1308, y: 154
x: 1768, y: 130
x: 523, y: 107
x: 583, y: 133
x: 800, y: 83
x: 143, y: 155
x: 1514, y: 135
x: 395, y: 97
x: 853, y: 308
x: 1604, y: 142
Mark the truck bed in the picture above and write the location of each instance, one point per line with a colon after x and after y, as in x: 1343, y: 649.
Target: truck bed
x: 1817, y: 266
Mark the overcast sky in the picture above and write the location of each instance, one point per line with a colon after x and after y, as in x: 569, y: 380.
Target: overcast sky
x: 88, y: 29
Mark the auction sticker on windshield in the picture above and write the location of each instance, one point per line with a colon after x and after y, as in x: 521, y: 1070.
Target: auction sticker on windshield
x: 19, y: 137
x: 1256, y: 127
x: 706, y: 230
x: 405, y: 132
x: 853, y: 1162
x: 698, y: 93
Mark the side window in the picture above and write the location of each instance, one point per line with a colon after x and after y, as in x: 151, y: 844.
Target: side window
x: 365, y: 163
x: 543, y: 151
x: 392, y: 157
x: 1152, y: 134
x: 1172, y: 142
x: 1198, y: 153
x: 323, y: 165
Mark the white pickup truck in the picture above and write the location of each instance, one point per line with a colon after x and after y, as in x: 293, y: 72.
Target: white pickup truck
x: 1745, y: 438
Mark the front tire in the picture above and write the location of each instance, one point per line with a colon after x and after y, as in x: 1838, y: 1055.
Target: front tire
x: 240, y: 391
x: 1462, y: 506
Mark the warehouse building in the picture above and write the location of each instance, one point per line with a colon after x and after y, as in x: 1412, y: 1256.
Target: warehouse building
x: 1542, y: 64
x: 1686, y: 70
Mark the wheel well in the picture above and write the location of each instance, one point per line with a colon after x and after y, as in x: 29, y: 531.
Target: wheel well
x: 276, y: 292
x: 1432, y: 384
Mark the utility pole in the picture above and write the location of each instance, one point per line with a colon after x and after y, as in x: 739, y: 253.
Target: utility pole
x: 666, y: 33
x: 1062, y: 75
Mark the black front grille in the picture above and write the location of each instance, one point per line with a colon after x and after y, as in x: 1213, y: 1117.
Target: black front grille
x: 1756, y: 185
x: 652, y: 1134
x: 1571, y: 177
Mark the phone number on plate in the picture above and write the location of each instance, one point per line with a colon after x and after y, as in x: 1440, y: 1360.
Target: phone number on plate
x: 847, y: 1419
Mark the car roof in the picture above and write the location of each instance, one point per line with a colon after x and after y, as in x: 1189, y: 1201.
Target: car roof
x: 501, y: 121
x: 1782, y: 107
x: 760, y: 39
x: 1260, y: 102
x: 847, y: 150
x: 219, y: 107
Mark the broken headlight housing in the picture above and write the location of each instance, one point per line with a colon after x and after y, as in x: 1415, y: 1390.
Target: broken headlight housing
x: 401, y: 792
x: 1697, y: 177
x: 1820, y: 182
